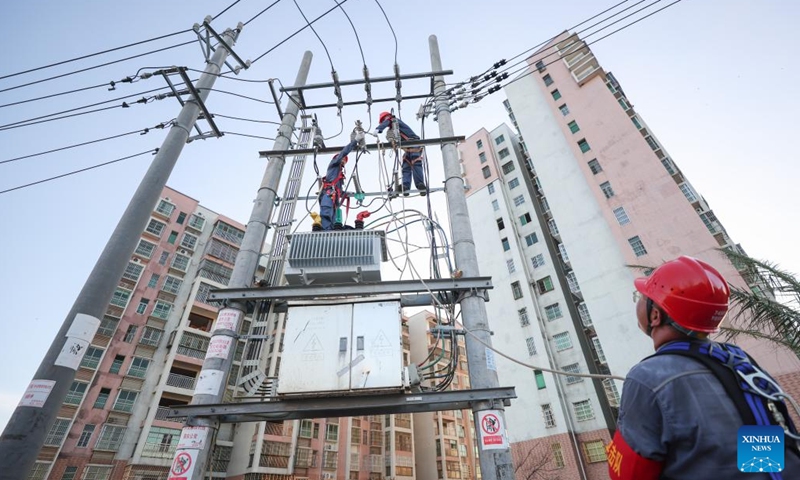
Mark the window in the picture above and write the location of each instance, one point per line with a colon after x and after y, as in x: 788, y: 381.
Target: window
x: 516, y: 289
x: 506, y: 245
x: 540, y: 66
x: 96, y: 472
x: 92, y: 357
x: 154, y: 278
x: 687, y: 192
x: 595, y: 451
x: 181, y: 218
x: 510, y: 265
x: 39, y: 471
x: 573, y: 368
x: 145, y: 249
x: 636, y: 122
x: 573, y: 127
x: 151, y: 336
x: 116, y: 365
x: 553, y: 311
x: 138, y: 367
x: 584, y: 145
x: 57, y: 432
x: 607, y: 190
x: 611, y: 392
x: 86, y: 435
x: 499, y: 140
x: 479, y: 143
x: 486, y: 172
x: 509, y: 166
x: 598, y: 349
x: 163, y: 259
x: 332, y: 433
x: 668, y: 165
x: 548, y: 80
x: 125, y: 401
x: 583, y: 410
x: 556, y: 94
x: 531, y: 346
x: 572, y: 281
x: 70, y: 472
x: 491, y: 188
x: 595, y: 167
x: 551, y: 224
x: 545, y: 204
x: 519, y: 200
x: 513, y: 183
x: 525, y: 218
x: 500, y: 224
x: 110, y: 437
x: 102, y: 397
x: 523, y: 317
x: 189, y: 241
x: 583, y: 311
x: 562, y: 341
x: 180, y: 262
x: 173, y: 236
x: 537, y: 260
x: 545, y: 285
x: 197, y: 222
x: 165, y: 208
x: 161, y: 442
x: 171, y: 285
x: 121, y: 297
x: 530, y: 239
x: 623, y: 104
x: 142, y: 306
x: 495, y: 205
x: 75, y: 393
x: 133, y: 271
x: 637, y: 246
x: 564, y: 110
x: 651, y: 142
x: 558, y: 455
x: 155, y: 227
x: 161, y: 309
x: 622, y: 217
x: 482, y: 157
x: 130, y: 334
x: 305, y: 428
x: 562, y: 250
x: 710, y: 221
x: 547, y: 415
x: 108, y: 326
x: 539, y: 375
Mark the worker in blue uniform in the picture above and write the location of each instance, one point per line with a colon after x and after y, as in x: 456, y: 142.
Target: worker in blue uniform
x: 412, y: 156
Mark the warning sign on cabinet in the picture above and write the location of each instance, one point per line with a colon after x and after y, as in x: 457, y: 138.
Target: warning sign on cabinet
x: 493, y: 432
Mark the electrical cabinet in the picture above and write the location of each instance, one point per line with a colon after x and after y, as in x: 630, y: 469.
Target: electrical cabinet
x: 339, y: 348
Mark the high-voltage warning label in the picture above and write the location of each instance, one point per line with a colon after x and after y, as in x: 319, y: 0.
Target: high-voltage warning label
x: 36, y: 393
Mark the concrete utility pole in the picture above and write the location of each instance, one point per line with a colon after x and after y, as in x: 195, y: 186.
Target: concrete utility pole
x: 25, y: 433
x: 495, y: 462
x: 195, y: 444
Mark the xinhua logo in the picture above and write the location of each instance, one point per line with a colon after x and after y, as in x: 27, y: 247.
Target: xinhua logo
x: 760, y: 449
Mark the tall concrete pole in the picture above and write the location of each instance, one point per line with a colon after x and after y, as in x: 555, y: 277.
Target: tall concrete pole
x: 195, y: 444
x: 25, y: 433
x: 495, y: 462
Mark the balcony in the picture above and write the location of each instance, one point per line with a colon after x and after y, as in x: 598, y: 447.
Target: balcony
x: 162, y: 412
x: 181, y: 381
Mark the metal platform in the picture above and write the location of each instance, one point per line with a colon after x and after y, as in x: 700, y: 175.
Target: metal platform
x: 296, y: 408
x: 369, y: 146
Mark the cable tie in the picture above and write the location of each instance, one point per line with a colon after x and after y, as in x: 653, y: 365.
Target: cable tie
x: 155, y: 151
x: 125, y: 105
x: 112, y: 86
x: 127, y: 80
x: 144, y: 132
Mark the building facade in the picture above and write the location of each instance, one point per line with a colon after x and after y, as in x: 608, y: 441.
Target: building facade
x: 580, y: 191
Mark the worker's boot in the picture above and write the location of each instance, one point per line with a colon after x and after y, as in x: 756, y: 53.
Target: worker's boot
x: 423, y: 190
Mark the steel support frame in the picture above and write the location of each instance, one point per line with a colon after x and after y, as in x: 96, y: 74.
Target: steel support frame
x: 369, y: 146
x: 360, y: 81
x: 368, y: 403
x: 476, y: 285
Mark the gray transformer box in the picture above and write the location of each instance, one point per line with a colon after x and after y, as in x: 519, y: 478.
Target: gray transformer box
x: 340, y: 256
x: 342, y: 348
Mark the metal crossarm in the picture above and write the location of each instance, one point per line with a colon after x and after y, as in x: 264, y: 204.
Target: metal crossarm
x: 369, y: 146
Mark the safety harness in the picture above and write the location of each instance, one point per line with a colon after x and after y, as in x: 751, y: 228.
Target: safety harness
x: 757, y: 396
x: 336, y: 191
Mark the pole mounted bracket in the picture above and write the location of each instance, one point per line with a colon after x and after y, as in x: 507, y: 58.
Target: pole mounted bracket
x: 206, y: 36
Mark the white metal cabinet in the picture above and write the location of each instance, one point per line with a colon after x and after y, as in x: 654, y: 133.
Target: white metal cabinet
x: 342, y: 347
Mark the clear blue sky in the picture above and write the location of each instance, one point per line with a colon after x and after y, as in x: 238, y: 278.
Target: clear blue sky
x: 711, y: 77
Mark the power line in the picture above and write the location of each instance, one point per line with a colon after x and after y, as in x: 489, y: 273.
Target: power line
x: 141, y: 132
x: 390, y: 27
x: 214, y: 115
x: 315, y: 32
x: 295, y: 33
x: 358, y: 40
x: 54, y: 95
x: 96, y: 66
x: 19, y: 187
x: 262, y: 11
x: 245, y: 135
x: 226, y: 9
x: 241, y: 96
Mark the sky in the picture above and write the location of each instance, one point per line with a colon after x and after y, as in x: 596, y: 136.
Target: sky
x: 712, y: 78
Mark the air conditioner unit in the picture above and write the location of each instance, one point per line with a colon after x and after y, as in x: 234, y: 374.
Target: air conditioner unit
x: 340, y: 256
x: 183, y: 252
x: 330, y: 448
x: 327, y: 476
x: 136, y: 260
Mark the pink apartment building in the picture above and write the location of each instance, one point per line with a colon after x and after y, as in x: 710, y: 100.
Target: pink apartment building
x: 581, y: 190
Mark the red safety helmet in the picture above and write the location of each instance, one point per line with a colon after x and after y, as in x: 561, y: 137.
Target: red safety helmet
x: 384, y: 116
x: 693, y: 293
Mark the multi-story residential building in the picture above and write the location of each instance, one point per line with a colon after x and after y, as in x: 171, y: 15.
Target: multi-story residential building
x: 581, y: 193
